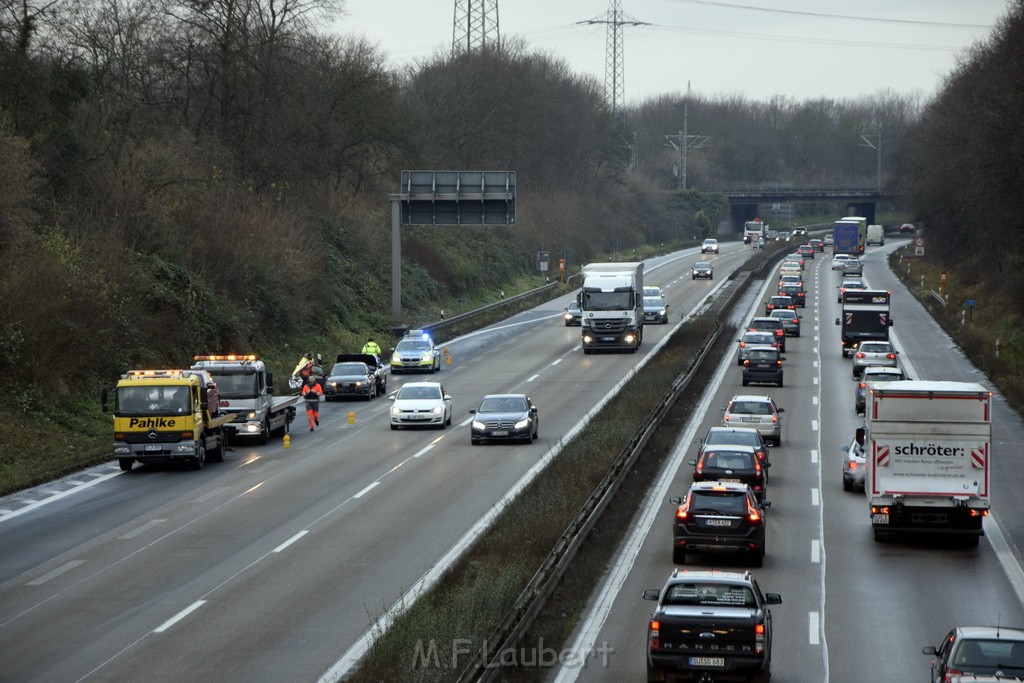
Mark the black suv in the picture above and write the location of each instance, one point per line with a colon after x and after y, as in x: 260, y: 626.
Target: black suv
x: 732, y: 464
x: 719, y: 516
x: 796, y: 293
x: 710, y: 625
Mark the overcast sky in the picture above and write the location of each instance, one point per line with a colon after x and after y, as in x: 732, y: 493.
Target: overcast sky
x: 758, y: 48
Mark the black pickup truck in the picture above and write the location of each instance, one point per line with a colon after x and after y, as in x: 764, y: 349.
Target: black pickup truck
x: 710, y: 626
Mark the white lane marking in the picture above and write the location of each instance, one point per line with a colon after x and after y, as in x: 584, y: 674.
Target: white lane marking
x: 815, y: 364
x: 815, y: 380
x: 5, y: 511
x: 814, y: 400
x: 142, y: 529
x: 814, y: 455
x: 358, y: 649
x: 530, y: 379
x: 34, y: 504
x: 556, y: 361
x: 212, y: 493
x: 815, y: 551
x: 813, y: 628
x: 179, y: 616
x: 814, y: 498
x: 814, y: 424
x: 368, y: 489
x: 422, y: 451
x: 291, y: 540
x: 38, y: 581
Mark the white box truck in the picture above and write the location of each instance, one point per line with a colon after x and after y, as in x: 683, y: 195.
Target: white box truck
x: 928, y: 450
x: 612, y: 303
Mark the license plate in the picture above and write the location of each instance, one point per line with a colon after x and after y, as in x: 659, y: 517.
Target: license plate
x: 153, y: 447
x: 707, y: 661
x: 750, y: 419
x: 717, y: 522
x: 607, y: 338
x: 880, y: 519
x: 736, y: 480
x: 499, y: 432
x: 417, y: 417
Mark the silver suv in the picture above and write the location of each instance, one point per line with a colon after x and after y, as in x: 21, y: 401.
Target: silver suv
x: 710, y: 246
x: 758, y: 412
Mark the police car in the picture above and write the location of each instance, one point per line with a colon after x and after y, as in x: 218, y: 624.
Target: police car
x: 416, y: 352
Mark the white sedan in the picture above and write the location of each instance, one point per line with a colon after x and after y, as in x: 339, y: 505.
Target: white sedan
x: 839, y: 260
x: 421, y: 404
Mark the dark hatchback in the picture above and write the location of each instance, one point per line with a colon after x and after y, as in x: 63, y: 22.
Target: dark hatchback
x: 719, y: 517
x: 504, y: 417
x: 769, y: 324
x: 795, y: 292
x: 763, y: 365
x: 732, y: 463
x: 735, y: 436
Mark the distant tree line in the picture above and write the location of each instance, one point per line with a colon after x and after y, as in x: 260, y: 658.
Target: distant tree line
x: 180, y: 176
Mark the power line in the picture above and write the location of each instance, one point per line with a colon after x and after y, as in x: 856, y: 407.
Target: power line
x: 825, y: 15
x: 614, y: 66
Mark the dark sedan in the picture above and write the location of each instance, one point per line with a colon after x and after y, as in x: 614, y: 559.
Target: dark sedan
x: 350, y: 379
x: 504, y: 417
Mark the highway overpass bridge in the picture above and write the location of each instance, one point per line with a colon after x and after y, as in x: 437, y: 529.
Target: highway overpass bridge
x: 746, y: 202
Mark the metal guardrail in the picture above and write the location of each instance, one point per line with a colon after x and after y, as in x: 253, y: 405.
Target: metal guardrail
x: 517, y: 621
x: 445, y: 323
x: 540, y: 588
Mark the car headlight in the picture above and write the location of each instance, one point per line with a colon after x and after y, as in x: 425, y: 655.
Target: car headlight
x: 662, y: 312
x: 395, y: 410
x: 185, y: 448
x: 359, y: 384
x: 437, y: 409
x: 333, y: 384
x: 522, y: 423
x: 427, y: 357
x: 477, y: 424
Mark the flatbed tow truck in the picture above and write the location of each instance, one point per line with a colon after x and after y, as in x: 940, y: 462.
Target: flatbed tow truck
x: 165, y: 416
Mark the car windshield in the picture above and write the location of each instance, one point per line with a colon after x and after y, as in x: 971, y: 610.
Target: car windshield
x: 702, y: 265
x: 413, y: 345
x: 725, y: 595
x: 758, y: 338
x: 998, y: 654
x: 784, y: 314
x: 419, y: 392
x: 502, y: 404
x: 729, y: 460
x: 349, y: 369
x: 653, y: 302
x: 718, y: 502
x: 884, y: 376
x: 751, y: 408
x: 762, y: 354
x: 875, y: 347
x: 236, y: 384
x: 710, y: 241
x: 732, y: 438
x: 152, y: 400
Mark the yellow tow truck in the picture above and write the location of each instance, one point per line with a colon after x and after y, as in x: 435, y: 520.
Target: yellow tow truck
x: 167, y: 416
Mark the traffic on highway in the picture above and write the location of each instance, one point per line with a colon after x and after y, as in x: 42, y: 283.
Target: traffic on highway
x: 280, y: 561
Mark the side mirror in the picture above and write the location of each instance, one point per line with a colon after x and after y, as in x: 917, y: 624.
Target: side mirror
x: 391, y: 398
x: 890, y: 322
x: 765, y: 504
x: 270, y: 382
x: 676, y: 501
x: 773, y: 598
x: 929, y: 650
x: 837, y: 321
x: 103, y: 400
x: 781, y: 410
x: 691, y: 462
x: 652, y: 594
x: 472, y: 412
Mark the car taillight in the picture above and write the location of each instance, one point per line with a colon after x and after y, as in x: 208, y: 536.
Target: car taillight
x: 743, y: 344
x: 759, y: 639
x: 780, y: 333
x: 863, y: 385
x: 700, y: 465
x: 775, y: 418
x: 753, y: 514
x: 852, y: 464
x: 654, y: 634
x: 683, y: 511
x: 860, y: 354
x: 778, y: 363
x: 746, y: 361
x: 891, y: 356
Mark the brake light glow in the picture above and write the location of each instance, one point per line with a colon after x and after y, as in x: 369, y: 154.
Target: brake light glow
x: 778, y: 363
x: 891, y: 356
x: 860, y: 354
x: 759, y: 638
x: 863, y: 385
x: 654, y: 634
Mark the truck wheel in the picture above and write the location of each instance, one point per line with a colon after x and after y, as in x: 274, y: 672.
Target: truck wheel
x: 200, y: 458
x: 217, y: 454
x: 125, y: 463
x: 264, y: 431
x: 678, y: 556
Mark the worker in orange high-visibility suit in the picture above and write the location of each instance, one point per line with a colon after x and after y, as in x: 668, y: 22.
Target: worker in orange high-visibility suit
x: 312, y: 393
